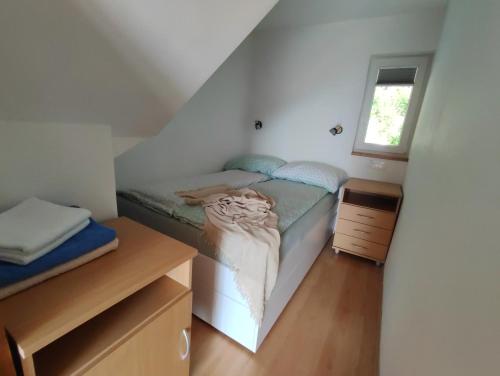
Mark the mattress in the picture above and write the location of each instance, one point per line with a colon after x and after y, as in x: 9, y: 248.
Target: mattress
x: 192, y: 235
x: 161, y: 196
x: 292, y: 201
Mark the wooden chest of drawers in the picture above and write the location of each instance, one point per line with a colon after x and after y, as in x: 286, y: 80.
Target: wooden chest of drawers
x: 367, y: 216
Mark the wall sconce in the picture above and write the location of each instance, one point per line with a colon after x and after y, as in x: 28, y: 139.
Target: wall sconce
x: 338, y: 129
x: 258, y: 124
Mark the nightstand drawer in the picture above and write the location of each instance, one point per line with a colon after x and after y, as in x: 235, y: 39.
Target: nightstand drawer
x: 367, y: 216
x: 361, y: 231
x: 360, y: 247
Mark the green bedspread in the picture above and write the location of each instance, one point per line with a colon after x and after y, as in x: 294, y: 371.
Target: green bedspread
x: 292, y: 201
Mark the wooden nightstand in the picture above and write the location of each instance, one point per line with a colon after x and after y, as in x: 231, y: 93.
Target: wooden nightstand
x: 367, y: 216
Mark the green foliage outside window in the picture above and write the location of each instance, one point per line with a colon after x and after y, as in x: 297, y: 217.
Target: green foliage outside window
x: 388, y: 112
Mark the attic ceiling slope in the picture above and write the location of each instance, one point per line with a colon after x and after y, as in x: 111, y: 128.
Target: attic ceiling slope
x: 130, y: 64
x: 293, y: 13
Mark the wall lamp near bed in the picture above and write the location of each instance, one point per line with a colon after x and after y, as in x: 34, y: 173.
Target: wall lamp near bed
x: 338, y: 129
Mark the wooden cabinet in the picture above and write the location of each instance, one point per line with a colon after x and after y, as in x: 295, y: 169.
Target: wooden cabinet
x: 367, y: 216
x: 362, y: 231
x: 360, y: 247
x: 126, y: 313
x: 160, y: 348
x: 374, y: 218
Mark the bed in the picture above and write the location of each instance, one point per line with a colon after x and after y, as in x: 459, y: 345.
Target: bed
x: 306, y: 215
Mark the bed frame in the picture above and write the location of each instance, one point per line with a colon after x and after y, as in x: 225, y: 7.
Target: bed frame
x: 216, y: 298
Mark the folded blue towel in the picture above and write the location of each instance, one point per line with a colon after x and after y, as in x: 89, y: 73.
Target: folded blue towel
x: 90, y: 238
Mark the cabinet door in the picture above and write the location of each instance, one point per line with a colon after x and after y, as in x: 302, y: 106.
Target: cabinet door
x: 159, y: 348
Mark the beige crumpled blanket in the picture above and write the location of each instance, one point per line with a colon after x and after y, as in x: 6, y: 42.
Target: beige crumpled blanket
x: 244, y: 232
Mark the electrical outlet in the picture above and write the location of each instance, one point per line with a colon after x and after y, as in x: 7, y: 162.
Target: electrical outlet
x: 377, y: 164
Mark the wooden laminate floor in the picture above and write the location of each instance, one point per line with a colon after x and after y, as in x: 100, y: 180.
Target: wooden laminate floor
x: 331, y: 326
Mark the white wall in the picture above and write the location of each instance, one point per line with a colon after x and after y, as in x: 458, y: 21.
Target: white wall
x: 441, y: 309
x: 308, y: 79
x: 300, y: 82
x: 123, y: 144
x: 65, y: 164
x: 289, y: 13
x: 130, y: 64
x: 212, y: 127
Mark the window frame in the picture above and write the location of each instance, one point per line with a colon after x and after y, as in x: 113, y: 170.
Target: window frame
x: 420, y: 61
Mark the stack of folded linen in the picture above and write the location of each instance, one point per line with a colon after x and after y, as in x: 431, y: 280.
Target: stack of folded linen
x: 39, y: 240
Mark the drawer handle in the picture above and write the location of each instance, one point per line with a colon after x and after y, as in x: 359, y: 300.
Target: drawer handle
x: 365, y: 216
x: 185, y: 336
x: 364, y: 232
x: 359, y: 246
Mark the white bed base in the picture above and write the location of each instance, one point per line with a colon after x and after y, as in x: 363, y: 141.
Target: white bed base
x: 218, y: 301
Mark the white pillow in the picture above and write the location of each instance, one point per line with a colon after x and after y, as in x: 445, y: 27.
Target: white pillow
x: 313, y: 173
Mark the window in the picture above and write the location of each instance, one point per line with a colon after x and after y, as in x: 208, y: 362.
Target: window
x: 393, y: 95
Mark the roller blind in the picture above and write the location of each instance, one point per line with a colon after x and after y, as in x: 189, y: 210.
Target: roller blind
x: 396, y: 76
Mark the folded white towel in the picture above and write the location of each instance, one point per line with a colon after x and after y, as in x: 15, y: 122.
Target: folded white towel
x: 24, y: 258
x: 35, y: 227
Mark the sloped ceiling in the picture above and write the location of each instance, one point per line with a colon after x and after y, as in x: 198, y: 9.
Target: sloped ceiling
x: 129, y: 64
x: 292, y: 13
